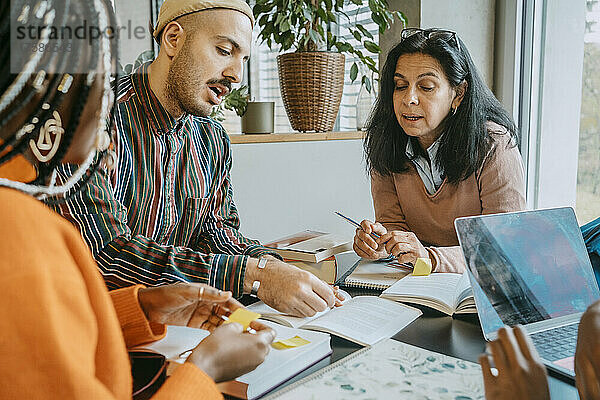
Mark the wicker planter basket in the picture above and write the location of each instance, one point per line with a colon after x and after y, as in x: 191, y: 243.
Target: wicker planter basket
x: 311, y: 86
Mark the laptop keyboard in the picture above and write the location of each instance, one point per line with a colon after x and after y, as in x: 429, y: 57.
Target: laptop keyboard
x: 557, y: 343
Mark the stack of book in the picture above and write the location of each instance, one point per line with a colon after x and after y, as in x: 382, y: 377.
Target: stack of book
x: 317, y: 253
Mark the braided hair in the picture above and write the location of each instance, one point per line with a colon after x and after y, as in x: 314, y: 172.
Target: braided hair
x: 18, y: 91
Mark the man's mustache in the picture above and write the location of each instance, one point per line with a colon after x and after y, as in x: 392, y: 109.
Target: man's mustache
x: 224, y: 82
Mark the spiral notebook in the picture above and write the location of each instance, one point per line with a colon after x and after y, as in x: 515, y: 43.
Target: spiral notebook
x: 377, y: 275
x: 390, y: 370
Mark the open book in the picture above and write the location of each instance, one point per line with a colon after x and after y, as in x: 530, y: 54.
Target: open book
x: 278, y: 367
x: 445, y: 292
x: 310, y: 246
x: 364, y: 319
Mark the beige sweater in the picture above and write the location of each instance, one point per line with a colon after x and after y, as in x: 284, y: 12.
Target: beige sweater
x: 402, y: 203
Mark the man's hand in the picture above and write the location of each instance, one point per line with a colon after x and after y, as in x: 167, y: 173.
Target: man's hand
x: 187, y: 304
x: 587, y: 355
x: 521, y: 374
x: 365, y: 245
x: 289, y: 289
x: 229, y: 352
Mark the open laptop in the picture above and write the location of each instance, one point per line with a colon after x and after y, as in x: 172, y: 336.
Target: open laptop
x: 530, y: 268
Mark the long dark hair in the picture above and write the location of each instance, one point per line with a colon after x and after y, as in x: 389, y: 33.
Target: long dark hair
x: 465, y: 141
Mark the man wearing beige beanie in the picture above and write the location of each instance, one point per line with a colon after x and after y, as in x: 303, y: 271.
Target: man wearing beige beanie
x: 165, y: 213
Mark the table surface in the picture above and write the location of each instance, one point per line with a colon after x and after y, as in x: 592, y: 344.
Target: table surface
x: 459, y: 337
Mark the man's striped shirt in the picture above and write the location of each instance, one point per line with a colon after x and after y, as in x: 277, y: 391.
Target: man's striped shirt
x: 166, y: 211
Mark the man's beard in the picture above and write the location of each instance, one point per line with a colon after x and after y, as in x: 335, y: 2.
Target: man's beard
x: 182, y: 86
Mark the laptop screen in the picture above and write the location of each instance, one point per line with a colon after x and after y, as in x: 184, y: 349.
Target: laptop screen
x: 526, y: 266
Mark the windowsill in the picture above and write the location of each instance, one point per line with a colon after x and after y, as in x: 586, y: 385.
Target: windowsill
x: 295, y: 137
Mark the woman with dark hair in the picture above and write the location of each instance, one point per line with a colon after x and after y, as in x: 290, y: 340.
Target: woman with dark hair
x: 64, y: 335
x: 439, y: 146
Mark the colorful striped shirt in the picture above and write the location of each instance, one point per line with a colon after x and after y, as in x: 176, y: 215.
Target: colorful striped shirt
x: 165, y: 213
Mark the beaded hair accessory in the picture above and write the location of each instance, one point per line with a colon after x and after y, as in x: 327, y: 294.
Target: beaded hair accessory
x: 46, y: 143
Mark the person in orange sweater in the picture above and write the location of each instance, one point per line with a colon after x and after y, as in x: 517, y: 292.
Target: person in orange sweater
x: 64, y: 335
x: 438, y: 146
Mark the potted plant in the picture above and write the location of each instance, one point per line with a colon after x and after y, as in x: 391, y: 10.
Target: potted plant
x: 257, y: 116
x: 311, y: 77
x: 236, y: 100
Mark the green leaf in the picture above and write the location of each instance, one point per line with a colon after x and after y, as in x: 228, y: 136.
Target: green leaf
x: 328, y: 5
x: 285, y: 26
x: 353, y: 72
x: 357, y: 2
x: 322, y: 14
x: 313, y: 35
x: 343, y: 47
x: 379, y: 21
x: 367, y: 82
x: 364, y: 31
x: 356, y: 35
x: 372, y: 46
x: 331, y: 16
x: 263, y: 20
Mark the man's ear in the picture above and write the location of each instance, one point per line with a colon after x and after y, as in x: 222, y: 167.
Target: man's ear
x: 172, y: 38
x: 460, y: 90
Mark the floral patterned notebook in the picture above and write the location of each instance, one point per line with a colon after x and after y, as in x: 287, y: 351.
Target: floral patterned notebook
x: 391, y: 370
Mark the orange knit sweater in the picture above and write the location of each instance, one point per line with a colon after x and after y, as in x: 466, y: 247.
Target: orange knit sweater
x: 401, y: 201
x: 63, y: 335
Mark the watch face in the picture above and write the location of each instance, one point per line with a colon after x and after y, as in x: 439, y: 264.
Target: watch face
x: 254, y: 290
x: 262, y: 262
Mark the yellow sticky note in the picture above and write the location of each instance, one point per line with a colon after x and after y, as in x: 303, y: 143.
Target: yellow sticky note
x: 296, y: 341
x: 243, y: 317
x: 422, y: 267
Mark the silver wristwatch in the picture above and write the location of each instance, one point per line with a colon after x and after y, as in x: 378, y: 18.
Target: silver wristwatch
x: 262, y: 263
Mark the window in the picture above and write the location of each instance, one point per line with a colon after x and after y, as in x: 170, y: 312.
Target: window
x: 551, y: 103
x: 588, y: 169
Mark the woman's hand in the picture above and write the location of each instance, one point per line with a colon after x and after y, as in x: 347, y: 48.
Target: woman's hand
x: 405, y: 246
x: 187, y: 304
x: 365, y: 245
x: 521, y: 374
x: 587, y: 355
x: 229, y: 352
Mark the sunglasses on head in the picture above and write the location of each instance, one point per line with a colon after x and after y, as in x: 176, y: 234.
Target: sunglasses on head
x: 448, y: 36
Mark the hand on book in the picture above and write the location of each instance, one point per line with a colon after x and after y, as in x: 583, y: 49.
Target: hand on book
x: 229, y: 352
x: 289, y: 289
x: 187, y: 304
x: 365, y: 240
x: 587, y: 355
x: 521, y: 374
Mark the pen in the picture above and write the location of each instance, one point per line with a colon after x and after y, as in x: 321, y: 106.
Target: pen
x: 356, y: 224
x: 373, y: 235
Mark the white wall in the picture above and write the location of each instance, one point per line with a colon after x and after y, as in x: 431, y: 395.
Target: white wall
x: 473, y: 20
x: 282, y: 188
x: 132, y: 14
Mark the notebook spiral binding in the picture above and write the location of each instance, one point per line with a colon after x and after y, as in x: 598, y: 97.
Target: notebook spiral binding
x: 362, y: 285
x: 317, y: 374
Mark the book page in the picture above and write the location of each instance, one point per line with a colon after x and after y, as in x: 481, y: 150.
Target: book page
x: 366, y: 319
x: 463, y: 289
x: 440, y: 288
